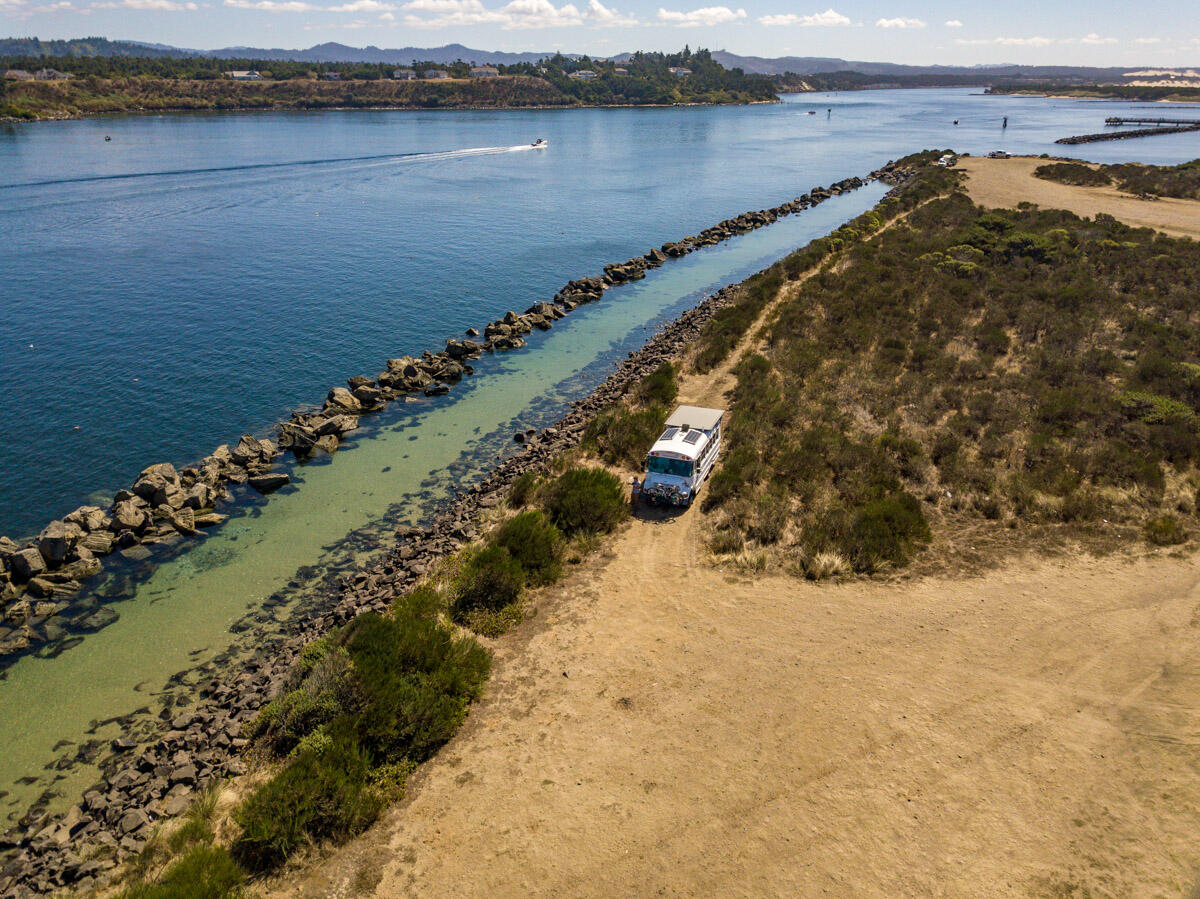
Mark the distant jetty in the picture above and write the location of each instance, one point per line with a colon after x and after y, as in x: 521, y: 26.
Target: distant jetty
x: 1162, y: 126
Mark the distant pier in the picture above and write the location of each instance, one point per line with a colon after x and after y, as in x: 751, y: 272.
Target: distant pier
x: 1131, y: 133
x: 1119, y: 120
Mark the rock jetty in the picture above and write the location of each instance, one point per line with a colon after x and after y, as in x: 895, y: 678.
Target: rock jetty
x: 165, y: 507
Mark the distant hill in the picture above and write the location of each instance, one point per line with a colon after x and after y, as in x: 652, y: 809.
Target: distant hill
x: 330, y: 52
x: 79, y: 48
x: 816, y: 65
x: 334, y: 52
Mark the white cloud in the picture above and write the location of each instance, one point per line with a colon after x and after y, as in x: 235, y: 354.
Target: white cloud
x: 828, y: 19
x: 1094, y: 38
x: 155, y: 5
x: 273, y: 5
x: 362, y: 6
x: 387, y: 17
x: 602, y: 15
x: 1147, y: 40
x: 513, y: 15
x: 707, y: 16
x: 954, y: 23
x: 1008, y: 41
x: 899, y: 23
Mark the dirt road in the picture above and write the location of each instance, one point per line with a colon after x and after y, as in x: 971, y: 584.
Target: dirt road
x: 663, y: 727
x: 1007, y: 182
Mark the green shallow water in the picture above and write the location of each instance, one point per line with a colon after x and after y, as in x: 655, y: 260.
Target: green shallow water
x: 415, y: 454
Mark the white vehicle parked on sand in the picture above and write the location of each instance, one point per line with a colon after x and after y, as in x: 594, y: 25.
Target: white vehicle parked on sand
x: 682, y: 457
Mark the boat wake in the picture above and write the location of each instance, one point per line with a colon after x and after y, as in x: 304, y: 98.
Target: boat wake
x: 376, y: 159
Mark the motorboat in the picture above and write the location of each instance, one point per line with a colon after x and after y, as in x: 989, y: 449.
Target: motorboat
x: 539, y: 144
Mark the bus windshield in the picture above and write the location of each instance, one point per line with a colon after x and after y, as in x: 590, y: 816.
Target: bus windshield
x: 681, y: 468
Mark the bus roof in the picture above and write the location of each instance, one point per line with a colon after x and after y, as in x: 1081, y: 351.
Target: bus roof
x: 695, y: 417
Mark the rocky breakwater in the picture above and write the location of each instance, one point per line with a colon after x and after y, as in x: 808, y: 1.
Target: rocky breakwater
x: 149, y: 520
x: 143, y: 785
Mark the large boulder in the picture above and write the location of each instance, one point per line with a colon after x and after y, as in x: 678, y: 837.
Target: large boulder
x: 342, y: 399
x: 184, y: 521
x: 251, y: 449
x: 266, y: 483
x: 99, y: 543
x: 56, y: 540
x: 26, y: 563
x: 128, y: 516
x: 370, y: 397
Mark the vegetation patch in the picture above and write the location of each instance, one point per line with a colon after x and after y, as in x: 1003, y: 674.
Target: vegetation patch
x: 729, y: 325
x: 970, y: 369
x: 1180, y: 181
x: 586, y: 500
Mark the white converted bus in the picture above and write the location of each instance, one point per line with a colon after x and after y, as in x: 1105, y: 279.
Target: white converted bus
x: 682, y: 457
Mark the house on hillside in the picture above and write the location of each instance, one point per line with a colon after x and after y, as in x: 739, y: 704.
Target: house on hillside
x: 18, y: 75
x: 331, y: 76
x: 484, y: 72
x: 583, y: 75
x: 680, y: 71
x: 435, y: 74
x: 51, y: 75
x: 243, y: 75
x: 620, y: 71
x: 404, y: 75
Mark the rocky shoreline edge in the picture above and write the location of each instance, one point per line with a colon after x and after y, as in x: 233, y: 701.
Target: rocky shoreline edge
x: 153, y: 518
x: 116, y: 817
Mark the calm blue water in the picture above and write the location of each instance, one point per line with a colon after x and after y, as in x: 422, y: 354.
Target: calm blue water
x: 198, y: 276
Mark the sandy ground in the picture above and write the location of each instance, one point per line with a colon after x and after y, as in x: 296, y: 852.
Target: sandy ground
x: 662, y: 727
x: 1007, y: 182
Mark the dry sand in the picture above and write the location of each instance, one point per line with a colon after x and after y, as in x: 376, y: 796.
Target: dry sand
x: 1007, y: 182
x: 665, y: 728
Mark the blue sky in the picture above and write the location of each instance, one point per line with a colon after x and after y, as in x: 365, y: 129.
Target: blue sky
x: 1155, y: 32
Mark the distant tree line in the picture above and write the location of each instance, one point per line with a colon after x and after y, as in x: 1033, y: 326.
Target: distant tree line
x: 1110, y: 91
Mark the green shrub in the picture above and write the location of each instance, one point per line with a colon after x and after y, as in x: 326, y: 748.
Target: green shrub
x: 586, y: 499
x: 659, y: 387
x: 885, y: 532
x: 770, y: 518
x: 203, y: 872
x: 323, y: 694
x: 313, y: 798
x: 491, y: 579
x: 727, y: 542
x: 416, y: 678
x: 1082, y: 505
x: 535, y: 543
x: 522, y: 489
x: 1073, y: 173
x: 1165, y: 530
x: 623, y: 436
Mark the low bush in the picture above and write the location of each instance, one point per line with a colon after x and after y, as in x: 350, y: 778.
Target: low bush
x: 823, y: 565
x: 416, y: 679
x: 1165, y: 530
x: 203, y: 872
x: 1074, y: 173
x: 411, y: 679
x: 586, y: 499
x: 535, y: 543
x: 323, y: 694
x: 885, y: 532
x: 490, y: 580
x: 522, y: 489
x: 623, y: 436
x: 315, y: 797
x: 726, y: 542
x: 658, y: 388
